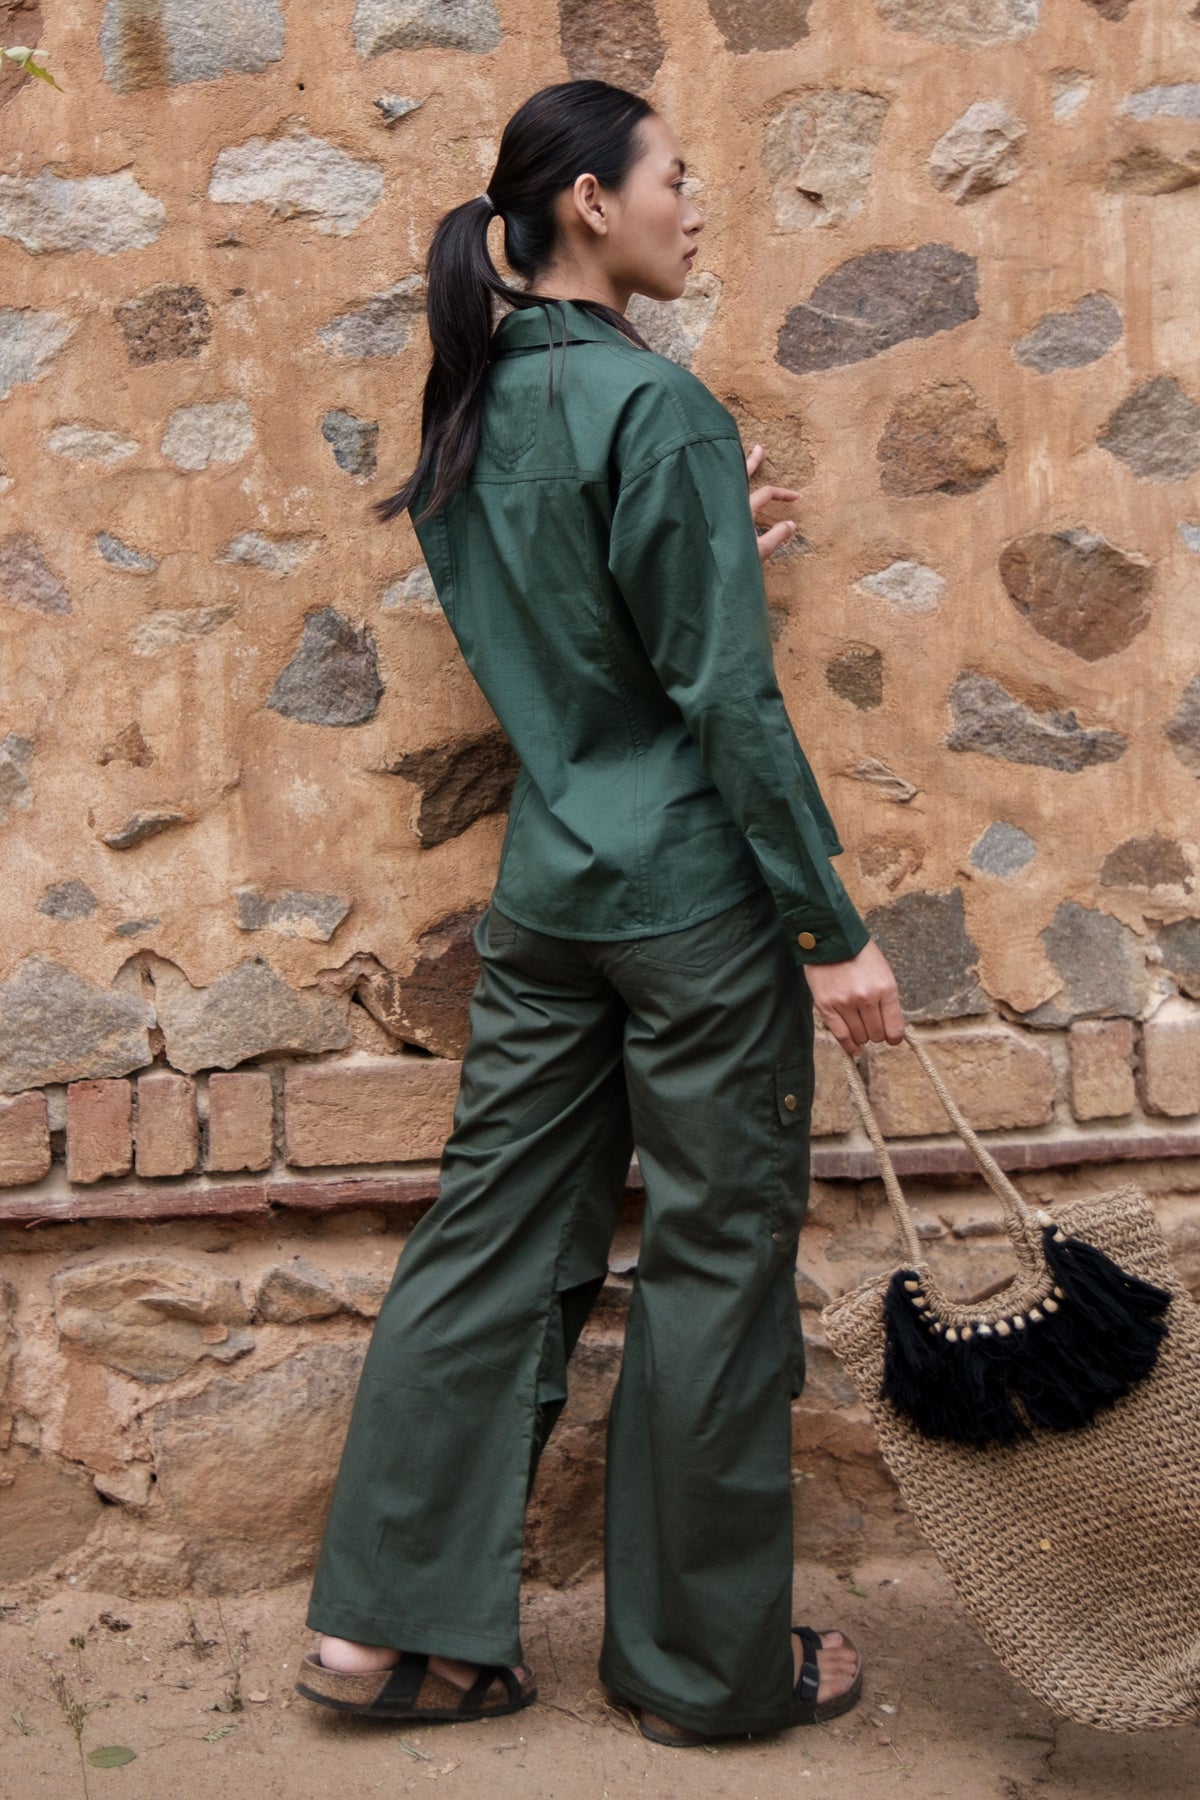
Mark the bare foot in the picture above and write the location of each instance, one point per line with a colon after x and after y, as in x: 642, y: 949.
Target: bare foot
x: 837, y: 1663
x: 345, y: 1654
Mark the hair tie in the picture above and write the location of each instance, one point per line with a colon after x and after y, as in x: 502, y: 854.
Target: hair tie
x: 490, y: 201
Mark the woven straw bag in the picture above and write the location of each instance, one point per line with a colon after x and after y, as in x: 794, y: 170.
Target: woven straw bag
x: 1076, y: 1551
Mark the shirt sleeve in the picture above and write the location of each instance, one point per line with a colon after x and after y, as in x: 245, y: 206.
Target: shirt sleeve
x: 684, y: 556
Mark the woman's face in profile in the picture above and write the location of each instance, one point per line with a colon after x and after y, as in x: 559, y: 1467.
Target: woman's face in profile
x: 653, y: 225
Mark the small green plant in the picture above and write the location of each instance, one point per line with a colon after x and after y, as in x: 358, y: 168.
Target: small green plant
x: 24, y: 59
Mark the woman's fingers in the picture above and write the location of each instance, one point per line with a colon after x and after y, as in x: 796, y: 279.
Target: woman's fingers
x: 858, y: 999
x: 760, y: 496
x: 771, y: 540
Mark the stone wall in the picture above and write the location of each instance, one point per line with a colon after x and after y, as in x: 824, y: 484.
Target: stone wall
x: 251, y: 801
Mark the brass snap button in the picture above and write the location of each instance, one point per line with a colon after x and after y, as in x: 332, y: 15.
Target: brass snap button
x: 790, y: 1101
x: 806, y: 940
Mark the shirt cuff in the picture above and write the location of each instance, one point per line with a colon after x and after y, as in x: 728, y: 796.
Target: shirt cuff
x: 836, y: 937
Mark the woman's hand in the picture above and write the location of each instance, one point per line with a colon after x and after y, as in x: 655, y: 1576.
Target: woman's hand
x: 777, y: 534
x: 859, y: 999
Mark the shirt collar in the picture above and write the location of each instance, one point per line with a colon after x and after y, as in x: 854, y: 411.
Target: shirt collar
x: 537, y: 327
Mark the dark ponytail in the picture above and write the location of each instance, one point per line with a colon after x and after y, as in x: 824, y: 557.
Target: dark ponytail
x: 561, y: 132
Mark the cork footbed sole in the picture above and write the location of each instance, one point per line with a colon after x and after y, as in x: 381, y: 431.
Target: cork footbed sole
x: 436, y: 1699
x: 680, y: 1737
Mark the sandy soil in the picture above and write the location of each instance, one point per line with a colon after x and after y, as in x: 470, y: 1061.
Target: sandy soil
x: 201, y: 1691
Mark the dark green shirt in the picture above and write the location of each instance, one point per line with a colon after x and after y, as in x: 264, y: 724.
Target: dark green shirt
x: 600, y: 571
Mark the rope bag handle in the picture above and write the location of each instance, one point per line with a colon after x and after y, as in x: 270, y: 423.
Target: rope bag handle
x: 1019, y: 1221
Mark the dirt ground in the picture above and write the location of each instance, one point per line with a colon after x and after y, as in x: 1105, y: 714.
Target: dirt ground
x: 201, y: 1691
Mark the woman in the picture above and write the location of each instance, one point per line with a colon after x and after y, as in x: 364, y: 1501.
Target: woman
x: 664, y: 916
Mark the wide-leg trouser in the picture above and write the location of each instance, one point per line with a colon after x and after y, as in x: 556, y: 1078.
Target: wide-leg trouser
x: 696, y: 1046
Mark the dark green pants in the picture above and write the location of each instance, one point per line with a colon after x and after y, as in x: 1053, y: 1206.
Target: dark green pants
x: 697, y: 1047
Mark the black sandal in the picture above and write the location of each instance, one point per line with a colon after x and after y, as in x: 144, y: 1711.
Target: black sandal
x: 408, y: 1690
x: 806, y: 1709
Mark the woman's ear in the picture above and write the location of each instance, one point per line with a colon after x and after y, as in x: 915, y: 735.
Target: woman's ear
x: 588, y: 197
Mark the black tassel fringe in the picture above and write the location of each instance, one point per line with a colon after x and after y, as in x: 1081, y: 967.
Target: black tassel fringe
x: 1098, y: 1336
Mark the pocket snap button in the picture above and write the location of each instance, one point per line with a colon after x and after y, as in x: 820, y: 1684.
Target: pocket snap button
x: 791, y: 1102
x: 806, y: 940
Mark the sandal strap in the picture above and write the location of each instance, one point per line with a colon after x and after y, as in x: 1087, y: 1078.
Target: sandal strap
x: 810, y: 1675
x: 478, y: 1691
x: 404, y: 1683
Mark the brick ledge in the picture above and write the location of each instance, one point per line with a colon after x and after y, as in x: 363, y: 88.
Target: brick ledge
x: 411, y: 1192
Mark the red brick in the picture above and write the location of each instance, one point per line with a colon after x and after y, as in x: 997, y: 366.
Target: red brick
x: 833, y: 1109
x: 168, y: 1131
x: 999, y: 1078
x: 241, y: 1129
x: 99, y: 1129
x: 1170, y: 1072
x: 376, y: 1110
x: 1102, y: 1085
x: 24, y: 1140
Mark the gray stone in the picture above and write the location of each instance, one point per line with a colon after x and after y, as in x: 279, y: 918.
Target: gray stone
x: 246, y: 1467
x: 1191, y: 537
x: 67, y: 901
x: 1183, y: 731
x: 877, y: 300
x: 818, y: 153
x: 989, y: 721
x: 760, y: 24
x: 1069, y: 88
x: 924, y: 937
x: 299, y: 176
x: 1069, y: 340
x: 884, y: 780
x: 143, y: 824
x: 394, y: 107
x: 1175, y: 100
x: 333, y: 678
x: 1156, y: 431
x: 939, y: 440
x: 364, y: 1291
x: 129, y: 928
x: 353, y: 441
x: 282, y: 556
x: 55, y: 1026
x: 978, y: 153
x: 459, y: 783
x: 1180, y: 946
x: 86, y: 443
x: 108, y: 213
x: 1101, y: 965
x: 26, y: 578
x: 296, y: 914
x: 1003, y: 850
x: 381, y: 326
x: 292, y: 1292
x: 174, y: 41
x: 251, y: 1011
x: 164, y: 630
x: 674, y: 328
x: 973, y: 23
x: 29, y: 343
x: 16, y: 753
x: 213, y: 431
x: 121, y: 556
x: 1078, y: 590
x: 611, y: 40
x: 152, y: 1317
x: 164, y: 324
x: 1148, y: 170
x: 856, y: 675
x: 415, y: 592
x: 381, y: 25
x: 1148, y: 862
x: 909, y: 586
